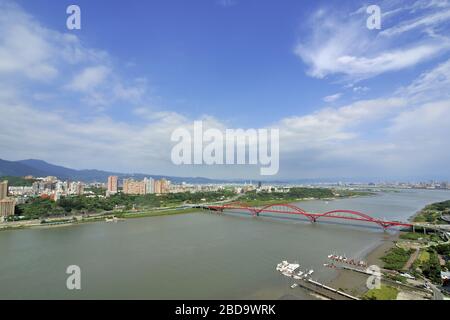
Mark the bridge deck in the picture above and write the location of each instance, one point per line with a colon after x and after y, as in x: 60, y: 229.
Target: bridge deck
x: 284, y: 208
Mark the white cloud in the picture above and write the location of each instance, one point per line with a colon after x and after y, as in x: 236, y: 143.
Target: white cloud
x: 22, y: 49
x: 360, y: 89
x: 90, y: 78
x: 400, y: 134
x: 100, y: 142
x: 331, y: 142
x: 427, y: 122
x: 332, y: 98
x: 433, y: 84
x: 30, y: 50
x: 339, y: 45
x: 421, y: 22
x: 331, y: 125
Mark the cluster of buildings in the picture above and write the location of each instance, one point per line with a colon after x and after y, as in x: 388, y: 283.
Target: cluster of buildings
x: 131, y: 186
x: 7, y: 204
x: 431, y: 185
x: 47, y: 187
x: 54, y: 188
x: 163, y: 186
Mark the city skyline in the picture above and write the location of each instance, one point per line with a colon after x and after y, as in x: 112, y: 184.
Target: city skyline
x: 348, y: 100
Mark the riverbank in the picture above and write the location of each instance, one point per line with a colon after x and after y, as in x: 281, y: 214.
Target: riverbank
x: 433, y: 213
x: 354, y: 283
x: 102, y: 218
x: 75, y: 220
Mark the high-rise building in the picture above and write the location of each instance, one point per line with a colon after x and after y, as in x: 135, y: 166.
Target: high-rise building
x: 157, y: 186
x: 161, y: 186
x: 113, y: 183
x: 3, y: 190
x: 164, y: 186
x: 149, y: 185
x: 76, y: 188
x: 131, y: 186
x: 7, y: 205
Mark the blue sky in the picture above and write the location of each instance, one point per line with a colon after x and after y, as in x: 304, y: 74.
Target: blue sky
x: 200, y: 55
x: 349, y: 101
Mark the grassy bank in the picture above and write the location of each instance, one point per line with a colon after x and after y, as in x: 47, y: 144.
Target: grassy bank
x: 433, y: 212
x: 156, y: 213
x: 122, y: 215
x: 296, y: 195
x: 383, y: 293
x: 396, y: 258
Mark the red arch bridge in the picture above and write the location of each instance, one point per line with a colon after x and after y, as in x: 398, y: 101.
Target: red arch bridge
x: 313, y: 217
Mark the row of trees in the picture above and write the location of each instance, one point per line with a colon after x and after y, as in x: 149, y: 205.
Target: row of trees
x: 17, y: 181
x: 433, y: 212
x: 291, y: 195
x: 432, y: 268
x: 396, y: 258
x: 41, y: 208
x: 440, y: 206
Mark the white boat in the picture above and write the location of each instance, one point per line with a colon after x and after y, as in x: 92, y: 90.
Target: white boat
x: 294, y: 286
x: 281, y: 266
x: 287, y: 269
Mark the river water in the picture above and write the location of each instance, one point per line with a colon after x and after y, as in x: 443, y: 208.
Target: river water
x: 192, y: 256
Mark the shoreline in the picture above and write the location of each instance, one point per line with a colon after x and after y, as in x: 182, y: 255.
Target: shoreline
x: 122, y: 217
x: 355, y: 283
x: 28, y: 224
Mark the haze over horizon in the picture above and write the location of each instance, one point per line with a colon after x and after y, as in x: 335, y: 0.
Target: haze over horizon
x: 349, y: 101
x: 267, y: 179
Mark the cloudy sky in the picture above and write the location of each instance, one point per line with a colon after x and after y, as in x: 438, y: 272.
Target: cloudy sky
x: 349, y: 102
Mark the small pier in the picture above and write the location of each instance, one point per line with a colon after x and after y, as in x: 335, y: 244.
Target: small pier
x: 324, y: 290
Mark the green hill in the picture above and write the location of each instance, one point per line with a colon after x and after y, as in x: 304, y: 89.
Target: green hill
x: 17, y: 181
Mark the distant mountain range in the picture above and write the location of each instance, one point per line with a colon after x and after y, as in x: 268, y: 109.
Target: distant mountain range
x: 40, y: 168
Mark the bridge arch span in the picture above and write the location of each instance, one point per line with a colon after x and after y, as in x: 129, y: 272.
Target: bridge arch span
x: 285, y: 208
x: 358, y: 216
x: 238, y: 206
x: 351, y: 212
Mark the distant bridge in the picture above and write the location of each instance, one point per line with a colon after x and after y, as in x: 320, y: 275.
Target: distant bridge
x: 285, y: 208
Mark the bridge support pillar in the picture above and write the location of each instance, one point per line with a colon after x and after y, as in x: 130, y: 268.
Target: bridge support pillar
x: 414, y: 228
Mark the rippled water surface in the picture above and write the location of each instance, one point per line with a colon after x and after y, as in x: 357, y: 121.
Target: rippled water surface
x: 196, y: 256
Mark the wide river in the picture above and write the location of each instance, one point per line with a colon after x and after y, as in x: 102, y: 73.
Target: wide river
x: 192, y: 256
